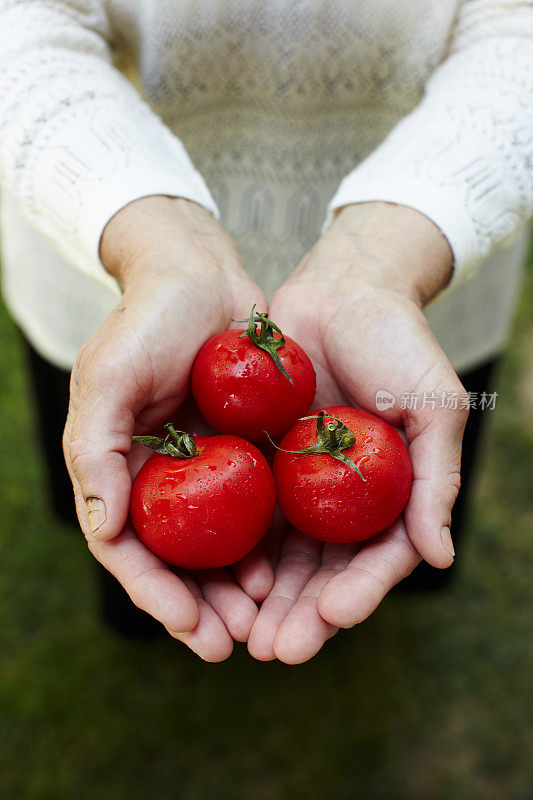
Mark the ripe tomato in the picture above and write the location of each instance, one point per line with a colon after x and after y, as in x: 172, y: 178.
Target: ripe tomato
x: 328, y: 499
x: 205, y: 504
x: 249, y: 382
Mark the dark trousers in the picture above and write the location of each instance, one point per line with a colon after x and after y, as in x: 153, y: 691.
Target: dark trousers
x: 51, y: 390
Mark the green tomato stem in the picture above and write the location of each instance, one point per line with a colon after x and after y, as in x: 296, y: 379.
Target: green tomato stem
x: 331, y: 440
x: 265, y: 339
x: 176, y: 443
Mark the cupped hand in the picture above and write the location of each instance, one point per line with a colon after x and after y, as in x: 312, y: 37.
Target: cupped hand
x: 183, y: 281
x: 354, y: 304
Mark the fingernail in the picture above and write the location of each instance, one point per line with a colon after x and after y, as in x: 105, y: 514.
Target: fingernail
x: 96, y: 513
x: 446, y: 539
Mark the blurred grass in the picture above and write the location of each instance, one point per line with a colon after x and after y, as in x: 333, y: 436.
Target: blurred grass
x: 428, y: 700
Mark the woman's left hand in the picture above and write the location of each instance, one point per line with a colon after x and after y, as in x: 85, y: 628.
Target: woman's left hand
x: 354, y: 304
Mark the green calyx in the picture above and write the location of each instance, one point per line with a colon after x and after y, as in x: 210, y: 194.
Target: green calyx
x: 177, y: 444
x: 331, y: 439
x: 265, y: 338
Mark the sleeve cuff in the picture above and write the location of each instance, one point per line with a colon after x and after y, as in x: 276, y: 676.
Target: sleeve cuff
x: 125, y: 187
x: 445, y: 208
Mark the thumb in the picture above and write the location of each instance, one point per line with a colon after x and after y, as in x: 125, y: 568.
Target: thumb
x: 435, y: 451
x: 96, y: 441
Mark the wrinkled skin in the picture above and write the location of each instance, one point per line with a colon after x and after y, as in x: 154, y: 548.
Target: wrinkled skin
x: 183, y: 282
x: 354, y: 306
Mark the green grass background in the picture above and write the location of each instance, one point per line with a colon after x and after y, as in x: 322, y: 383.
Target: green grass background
x: 431, y: 698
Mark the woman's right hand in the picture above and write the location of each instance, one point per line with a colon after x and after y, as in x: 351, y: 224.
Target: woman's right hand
x: 183, y: 281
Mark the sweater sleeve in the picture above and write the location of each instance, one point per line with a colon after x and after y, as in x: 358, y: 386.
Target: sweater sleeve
x: 464, y: 156
x: 77, y: 143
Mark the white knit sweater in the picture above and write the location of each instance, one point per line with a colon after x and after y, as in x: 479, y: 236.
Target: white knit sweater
x: 286, y: 108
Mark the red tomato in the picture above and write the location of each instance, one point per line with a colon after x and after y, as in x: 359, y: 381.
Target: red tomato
x: 204, y: 511
x: 327, y: 499
x: 240, y: 389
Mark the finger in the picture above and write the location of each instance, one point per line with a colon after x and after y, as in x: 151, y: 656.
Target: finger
x: 81, y: 508
x: 152, y: 586
x: 435, y: 450
x: 271, y: 544
x: 173, y: 599
x: 210, y: 639
x: 255, y: 574
x: 411, y: 362
x: 299, y: 560
x: 303, y: 631
x: 234, y: 607
x: 96, y: 440
x: 352, y: 595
